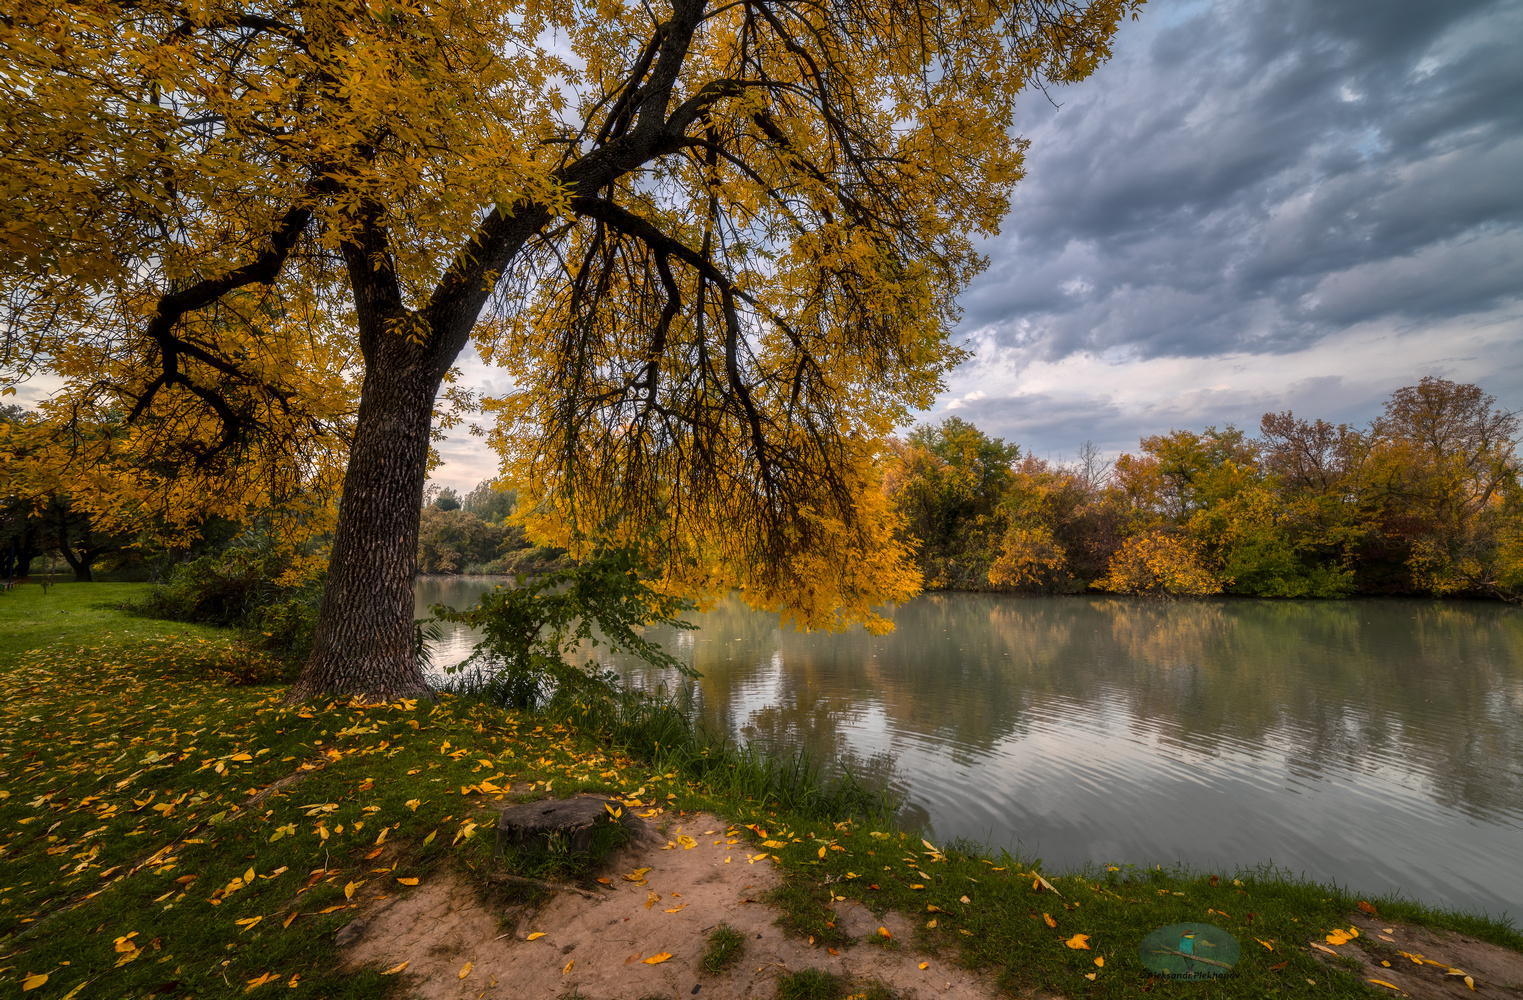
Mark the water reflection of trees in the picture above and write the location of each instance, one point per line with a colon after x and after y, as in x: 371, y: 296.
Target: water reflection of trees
x: 1431, y: 690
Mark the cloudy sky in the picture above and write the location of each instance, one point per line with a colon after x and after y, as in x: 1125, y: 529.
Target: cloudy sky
x: 1298, y: 204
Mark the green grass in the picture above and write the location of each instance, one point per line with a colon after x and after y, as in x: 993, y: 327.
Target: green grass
x: 74, y: 614
x: 125, y: 753
x: 992, y: 913
x: 809, y: 984
x: 724, y: 949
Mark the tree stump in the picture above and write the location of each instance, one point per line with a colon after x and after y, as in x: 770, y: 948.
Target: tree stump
x: 563, y: 825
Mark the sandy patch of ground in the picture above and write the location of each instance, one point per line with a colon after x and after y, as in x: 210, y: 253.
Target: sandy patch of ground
x: 595, y: 948
x: 1496, y: 971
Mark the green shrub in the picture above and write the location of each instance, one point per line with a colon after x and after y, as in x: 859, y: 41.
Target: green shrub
x: 237, y: 588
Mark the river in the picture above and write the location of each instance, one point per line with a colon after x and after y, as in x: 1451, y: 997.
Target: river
x: 1375, y: 743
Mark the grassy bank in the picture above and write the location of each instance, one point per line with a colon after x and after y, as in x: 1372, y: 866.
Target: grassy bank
x: 144, y: 852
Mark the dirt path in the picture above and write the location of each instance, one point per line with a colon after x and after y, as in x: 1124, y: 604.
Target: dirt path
x: 1428, y: 964
x: 596, y: 948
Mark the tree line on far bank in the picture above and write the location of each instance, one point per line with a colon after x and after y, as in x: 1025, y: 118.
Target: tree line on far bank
x: 1424, y: 500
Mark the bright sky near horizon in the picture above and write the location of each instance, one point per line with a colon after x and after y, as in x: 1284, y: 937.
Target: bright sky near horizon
x: 1255, y: 206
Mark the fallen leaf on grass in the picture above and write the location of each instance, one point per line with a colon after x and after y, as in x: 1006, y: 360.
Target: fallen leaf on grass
x: 1047, y: 919
x: 260, y: 981
x: 965, y: 899
x: 1382, y: 982
x: 1325, y: 949
x: 883, y: 933
x: 1089, y: 975
x: 340, y: 906
x: 292, y: 917
x: 248, y: 922
x: 931, y: 922
x: 408, y: 881
x: 917, y: 887
x: 1266, y: 944
x: 349, y: 889
x: 658, y: 958
x: 1367, y: 908
x: 1078, y: 941
x: 1279, y: 966
x: 34, y: 981
x: 1100, y: 961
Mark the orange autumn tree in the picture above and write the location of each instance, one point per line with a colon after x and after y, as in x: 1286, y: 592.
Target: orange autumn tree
x: 717, y: 245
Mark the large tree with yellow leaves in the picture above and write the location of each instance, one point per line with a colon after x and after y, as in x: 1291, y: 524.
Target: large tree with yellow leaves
x: 716, y: 244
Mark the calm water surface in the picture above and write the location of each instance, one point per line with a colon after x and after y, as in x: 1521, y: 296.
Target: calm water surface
x: 1375, y: 743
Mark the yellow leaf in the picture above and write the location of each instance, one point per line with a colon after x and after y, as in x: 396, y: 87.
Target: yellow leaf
x: 925, y: 965
x: 688, y: 843
x: 931, y: 922
x: 883, y: 932
x: 1100, y: 961
x: 248, y: 922
x: 1470, y: 982
x: 124, y: 943
x: 773, y: 843
x: 408, y: 881
x: 260, y: 981
x: 536, y: 935
x: 349, y: 889
x: 1382, y: 982
x: 1047, y: 919
x: 1078, y: 941
x: 1266, y: 944
x: 658, y: 958
x: 465, y: 970
x: 396, y: 969
x: 1089, y: 975
x: 34, y: 981
x: 965, y: 899
x: 822, y: 852
x: 288, y: 920
x: 917, y: 887
x: 382, y: 838
x: 430, y: 838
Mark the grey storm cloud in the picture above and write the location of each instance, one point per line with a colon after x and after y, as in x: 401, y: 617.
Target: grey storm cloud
x: 1252, y: 176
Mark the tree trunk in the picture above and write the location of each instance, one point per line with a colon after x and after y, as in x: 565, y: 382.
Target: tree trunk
x: 80, y: 564
x: 364, y: 641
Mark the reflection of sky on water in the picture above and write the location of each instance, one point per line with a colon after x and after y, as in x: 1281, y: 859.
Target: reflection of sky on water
x: 1377, y: 743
